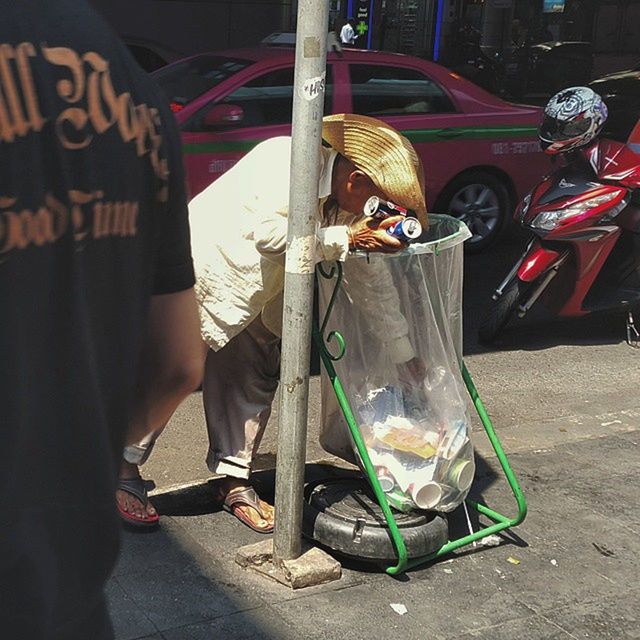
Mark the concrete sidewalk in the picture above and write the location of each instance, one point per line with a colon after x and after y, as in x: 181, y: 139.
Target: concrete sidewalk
x: 569, y: 571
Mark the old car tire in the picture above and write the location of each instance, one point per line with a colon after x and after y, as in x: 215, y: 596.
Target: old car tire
x: 342, y: 514
x: 482, y: 201
x: 500, y: 313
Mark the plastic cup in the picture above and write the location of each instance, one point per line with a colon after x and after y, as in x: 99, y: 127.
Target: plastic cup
x: 461, y: 474
x: 426, y: 496
x: 387, y: 483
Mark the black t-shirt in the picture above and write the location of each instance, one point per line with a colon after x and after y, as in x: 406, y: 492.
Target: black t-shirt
x: 93, y: 221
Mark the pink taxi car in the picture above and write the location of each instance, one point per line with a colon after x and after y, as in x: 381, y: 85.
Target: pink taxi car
x: 480, y: 154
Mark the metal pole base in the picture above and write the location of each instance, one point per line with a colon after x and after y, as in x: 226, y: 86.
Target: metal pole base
x: 312, y: 568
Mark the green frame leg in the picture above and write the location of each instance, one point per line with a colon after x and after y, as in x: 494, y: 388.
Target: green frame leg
x: 500, y: 522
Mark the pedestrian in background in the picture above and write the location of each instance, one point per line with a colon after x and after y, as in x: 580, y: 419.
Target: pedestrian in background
x: 348, y: 33
x: 99, y: 327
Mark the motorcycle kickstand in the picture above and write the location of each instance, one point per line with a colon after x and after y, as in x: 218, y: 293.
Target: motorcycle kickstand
x: 633, y: 337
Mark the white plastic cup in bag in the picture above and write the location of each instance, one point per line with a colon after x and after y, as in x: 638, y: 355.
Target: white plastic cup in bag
x: 387, y: 483
x: 461, y: 473
x: 426, y: 496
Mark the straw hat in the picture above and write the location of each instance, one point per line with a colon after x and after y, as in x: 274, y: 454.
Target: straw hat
x: 384, y: 154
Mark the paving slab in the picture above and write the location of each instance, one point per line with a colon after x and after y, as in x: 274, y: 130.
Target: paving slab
x: 613, y: 618
x: 531, y: 628
x: 455, y: 597
x: 356, y: 612
x: 141, y: 551
x: 130, y: 621
x: 256, y: 624
x: 177, y: 596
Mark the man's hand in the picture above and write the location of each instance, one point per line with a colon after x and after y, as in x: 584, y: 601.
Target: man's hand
x: 368, y: 234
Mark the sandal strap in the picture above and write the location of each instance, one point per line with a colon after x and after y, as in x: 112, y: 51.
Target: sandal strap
x: 136, y: 487
x: 247, y: 497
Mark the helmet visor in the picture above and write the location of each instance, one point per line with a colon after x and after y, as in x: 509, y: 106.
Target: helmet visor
x: 554, y: 130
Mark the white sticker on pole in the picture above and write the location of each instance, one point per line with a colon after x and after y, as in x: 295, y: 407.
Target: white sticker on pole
x: 313, y: 87
x: 300, y: 255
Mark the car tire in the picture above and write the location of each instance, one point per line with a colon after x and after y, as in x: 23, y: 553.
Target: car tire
x: 482, y: 201
x: 500, y: 313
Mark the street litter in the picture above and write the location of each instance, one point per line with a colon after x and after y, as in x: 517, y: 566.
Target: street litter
x: 608, y: 424
x: 554, y: 563
x: 605, y: 551
x: 513, y: 560
x: 448, y: 571
x: 400, y: 609
x: 490, y: 541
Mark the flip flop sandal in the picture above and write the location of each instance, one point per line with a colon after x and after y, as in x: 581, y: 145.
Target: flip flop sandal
x: 138, y: 489
x: 246, y: 498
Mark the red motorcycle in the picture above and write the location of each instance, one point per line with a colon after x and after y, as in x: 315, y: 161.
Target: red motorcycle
x: 585, y: 253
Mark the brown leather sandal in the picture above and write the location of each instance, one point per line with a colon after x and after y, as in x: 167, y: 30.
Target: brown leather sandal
x: 248, y: 497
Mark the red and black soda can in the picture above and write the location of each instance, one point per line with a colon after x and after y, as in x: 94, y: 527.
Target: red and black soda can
x: 380, y: 209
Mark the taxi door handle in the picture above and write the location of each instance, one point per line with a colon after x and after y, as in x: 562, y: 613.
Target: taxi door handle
x: 449, y: 132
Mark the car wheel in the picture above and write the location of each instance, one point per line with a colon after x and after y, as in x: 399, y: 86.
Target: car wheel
x: 482, y: 202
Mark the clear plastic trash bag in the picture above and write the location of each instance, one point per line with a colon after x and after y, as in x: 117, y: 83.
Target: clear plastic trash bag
x: 401, y: 319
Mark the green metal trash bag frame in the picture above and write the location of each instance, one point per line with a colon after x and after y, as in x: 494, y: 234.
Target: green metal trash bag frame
x: 500, y: 521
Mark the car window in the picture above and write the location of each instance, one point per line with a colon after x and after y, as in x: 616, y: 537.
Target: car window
x: 185, y: 81
x: 265, y: 100
x: 383, y: 90
x: 148, y: 59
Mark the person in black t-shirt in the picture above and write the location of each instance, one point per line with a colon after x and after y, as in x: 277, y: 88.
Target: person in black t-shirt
x: 99, y: 331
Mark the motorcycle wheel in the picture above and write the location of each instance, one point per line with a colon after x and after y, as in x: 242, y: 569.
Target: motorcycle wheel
x: 501, y: 312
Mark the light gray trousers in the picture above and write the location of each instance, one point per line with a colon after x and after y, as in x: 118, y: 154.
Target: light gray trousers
x: 240, y: 382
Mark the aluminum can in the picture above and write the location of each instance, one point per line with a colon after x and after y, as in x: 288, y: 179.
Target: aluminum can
x: 406, y: 230
x: 381, y: 209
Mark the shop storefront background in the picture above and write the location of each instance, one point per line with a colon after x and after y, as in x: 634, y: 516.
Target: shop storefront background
x: 425, y: 28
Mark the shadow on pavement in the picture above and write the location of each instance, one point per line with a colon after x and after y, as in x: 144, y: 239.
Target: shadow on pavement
x: 169, y: 586
x: 198, y: 500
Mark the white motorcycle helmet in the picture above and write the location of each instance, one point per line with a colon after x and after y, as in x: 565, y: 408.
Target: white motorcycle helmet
x: 572, y: 119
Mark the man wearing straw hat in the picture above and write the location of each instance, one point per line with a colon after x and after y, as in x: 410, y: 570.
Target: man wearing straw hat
x: 239, y: 232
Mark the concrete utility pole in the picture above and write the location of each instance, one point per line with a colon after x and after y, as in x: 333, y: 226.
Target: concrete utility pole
x: 308, y: 104
x: 282, y: 558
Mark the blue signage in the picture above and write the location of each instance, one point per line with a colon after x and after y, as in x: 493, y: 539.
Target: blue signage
x: 553, y: 6
x: 362, y: 11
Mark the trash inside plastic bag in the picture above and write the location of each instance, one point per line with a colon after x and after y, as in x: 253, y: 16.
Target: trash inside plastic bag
x: 401, y: 320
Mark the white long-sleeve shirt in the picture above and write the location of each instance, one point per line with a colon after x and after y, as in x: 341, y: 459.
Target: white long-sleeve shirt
x: 239, y: 234
x: 347, y: 34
